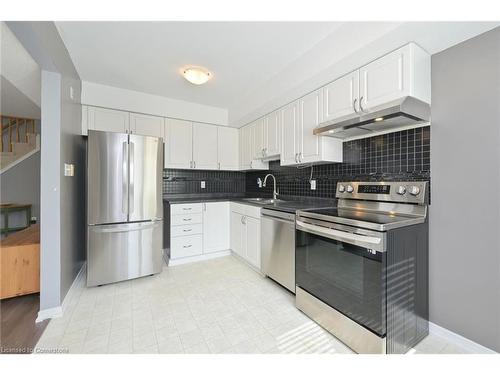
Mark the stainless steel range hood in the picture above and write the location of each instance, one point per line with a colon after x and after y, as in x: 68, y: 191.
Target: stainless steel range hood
x: 393, y: 115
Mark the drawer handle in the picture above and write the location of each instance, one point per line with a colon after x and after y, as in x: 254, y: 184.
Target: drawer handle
x: 186, y: 246
x: 187, y: 230
x: 186, y: 219
x: 187, y: 209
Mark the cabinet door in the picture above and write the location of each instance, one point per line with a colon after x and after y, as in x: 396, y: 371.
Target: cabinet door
x: 236, y: 233
x: 227, y: 148
x: 258, y: 138
x: 289, y: 118
x: 178, y: 144
x: 204, y: 146
x: 385, y: 79
x: 245, y: 147
x: 339, y: 97
x: 152, y: 126
x: 272, y: 134
x: 215, y: 226
x: 309, y: 118
x: 108, y: 120
x: 252, y: 241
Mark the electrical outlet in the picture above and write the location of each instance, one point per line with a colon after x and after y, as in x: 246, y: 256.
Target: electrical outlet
x: 203, y: 184
x: 313, y: 184
x: 69, y: 170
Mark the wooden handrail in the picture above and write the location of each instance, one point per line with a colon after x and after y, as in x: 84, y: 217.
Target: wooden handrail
x: 18, y: 122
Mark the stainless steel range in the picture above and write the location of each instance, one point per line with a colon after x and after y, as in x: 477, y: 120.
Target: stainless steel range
x: 362, y: 268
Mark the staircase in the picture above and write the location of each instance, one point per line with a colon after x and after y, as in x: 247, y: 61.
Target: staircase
x: 18, y: 138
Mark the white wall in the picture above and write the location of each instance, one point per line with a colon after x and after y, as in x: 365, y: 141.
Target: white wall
x: 99, y: 95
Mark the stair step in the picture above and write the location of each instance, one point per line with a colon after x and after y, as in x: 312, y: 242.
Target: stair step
x: 21, y: 148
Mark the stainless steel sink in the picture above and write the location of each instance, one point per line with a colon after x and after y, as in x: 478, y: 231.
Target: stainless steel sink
x: 262, y: 201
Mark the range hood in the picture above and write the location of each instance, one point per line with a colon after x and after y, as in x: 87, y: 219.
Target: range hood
x: 403, y: 112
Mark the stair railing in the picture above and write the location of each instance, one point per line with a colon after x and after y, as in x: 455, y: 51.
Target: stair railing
x: 13, y: 126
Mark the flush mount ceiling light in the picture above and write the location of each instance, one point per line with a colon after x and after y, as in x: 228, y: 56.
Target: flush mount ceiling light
x: 379, y: 119
x: 196, y: 75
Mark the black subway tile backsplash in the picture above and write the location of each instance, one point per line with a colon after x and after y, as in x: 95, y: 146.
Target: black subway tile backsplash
x: 396, y: 156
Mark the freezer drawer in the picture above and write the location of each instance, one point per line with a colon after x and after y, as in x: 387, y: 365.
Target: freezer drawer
x: 123, y: 251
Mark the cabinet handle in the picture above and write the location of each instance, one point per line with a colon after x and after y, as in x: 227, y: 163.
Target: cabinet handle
x: 194, y: 164
x: 186, y: 246
x: 296, y: 157
x: 219, y: 165
x: 354, y: 105
x: 187, y: 230
x: 251, y: 163
x: 187, y: 208
x: 300, y: 157
x: 360, y: 105
x: 186, y: 219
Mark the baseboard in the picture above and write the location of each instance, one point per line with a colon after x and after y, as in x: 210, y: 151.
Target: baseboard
x: 245, y: 262
x: 458, y: 340
x: 58, y: 311
x: 198, y: 258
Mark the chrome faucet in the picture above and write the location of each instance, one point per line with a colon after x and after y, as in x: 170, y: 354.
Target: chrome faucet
x: 275, y: 193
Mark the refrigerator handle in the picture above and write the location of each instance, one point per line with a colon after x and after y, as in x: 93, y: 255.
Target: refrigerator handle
x: 125, y: 177
x: 131, y: 178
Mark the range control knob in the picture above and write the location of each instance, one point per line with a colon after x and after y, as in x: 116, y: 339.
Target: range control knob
x: 341, y: 188
x: 401, y: 190
x: 414, y: 190
x: 350, y: 189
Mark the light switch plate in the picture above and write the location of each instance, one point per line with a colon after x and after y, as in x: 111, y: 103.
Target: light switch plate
x: 203, y: 184
x: 313, y: 184
x: 69, y: 170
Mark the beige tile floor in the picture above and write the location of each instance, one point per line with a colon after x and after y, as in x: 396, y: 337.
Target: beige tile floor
x: 215, y: 306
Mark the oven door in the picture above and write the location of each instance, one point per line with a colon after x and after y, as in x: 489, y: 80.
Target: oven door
x: 343, y: 267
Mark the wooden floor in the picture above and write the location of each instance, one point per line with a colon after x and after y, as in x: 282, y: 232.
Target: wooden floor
x: 19, y: 333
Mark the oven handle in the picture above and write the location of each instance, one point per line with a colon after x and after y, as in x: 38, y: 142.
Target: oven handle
x: 373, y: 243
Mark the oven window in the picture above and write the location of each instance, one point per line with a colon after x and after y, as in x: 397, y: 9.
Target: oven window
x: 346, y: 277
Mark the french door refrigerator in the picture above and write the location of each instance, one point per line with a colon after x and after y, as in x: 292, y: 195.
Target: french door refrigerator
x: 124, y: 206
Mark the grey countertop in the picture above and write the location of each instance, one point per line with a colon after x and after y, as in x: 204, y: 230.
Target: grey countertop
x: 287, y: 203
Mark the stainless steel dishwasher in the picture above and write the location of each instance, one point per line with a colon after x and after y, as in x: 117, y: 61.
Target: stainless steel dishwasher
x: 278, y: 247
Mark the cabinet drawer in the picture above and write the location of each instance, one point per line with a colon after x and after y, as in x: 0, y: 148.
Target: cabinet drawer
x: 186, y: 230
x: 185, y: 208
x: 186, y: 246
x: 238, y: 208
x: 246, y: 209
x: 185, y: 219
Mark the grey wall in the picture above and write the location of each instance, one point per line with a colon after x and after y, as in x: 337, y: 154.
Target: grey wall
x: 21, y: 184
x: 62, y: 198
x: 465, y: 211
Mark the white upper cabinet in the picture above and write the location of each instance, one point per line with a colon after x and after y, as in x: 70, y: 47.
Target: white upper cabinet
x: 309, y: 118
x: 246, y: 150
x: 204, y: 146
x: 300, y: 145
x: 289, y: 130
x: 108, y: 120
x: 404, y: 72
x: 272, y: 135
x: 247, y: 135
x: 258, y: 138
x: 340, y: 97
x: 227, y: 148
x: 178, y: 144
x: 146, y: 125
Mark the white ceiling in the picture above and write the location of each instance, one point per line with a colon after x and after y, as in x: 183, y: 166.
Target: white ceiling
x: 257, y: 66
x: 147, y: 56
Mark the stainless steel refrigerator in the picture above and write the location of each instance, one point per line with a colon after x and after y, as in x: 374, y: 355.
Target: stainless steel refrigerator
x: 124, y: 206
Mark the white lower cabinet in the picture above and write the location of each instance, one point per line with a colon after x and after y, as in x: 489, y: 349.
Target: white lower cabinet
x: 215, y: 227
x: 245, y: 233
x: 198, y: 231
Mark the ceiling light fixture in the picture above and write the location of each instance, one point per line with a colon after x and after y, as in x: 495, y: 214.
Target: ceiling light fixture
x: 379, y: 119
x: 197, y: 75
